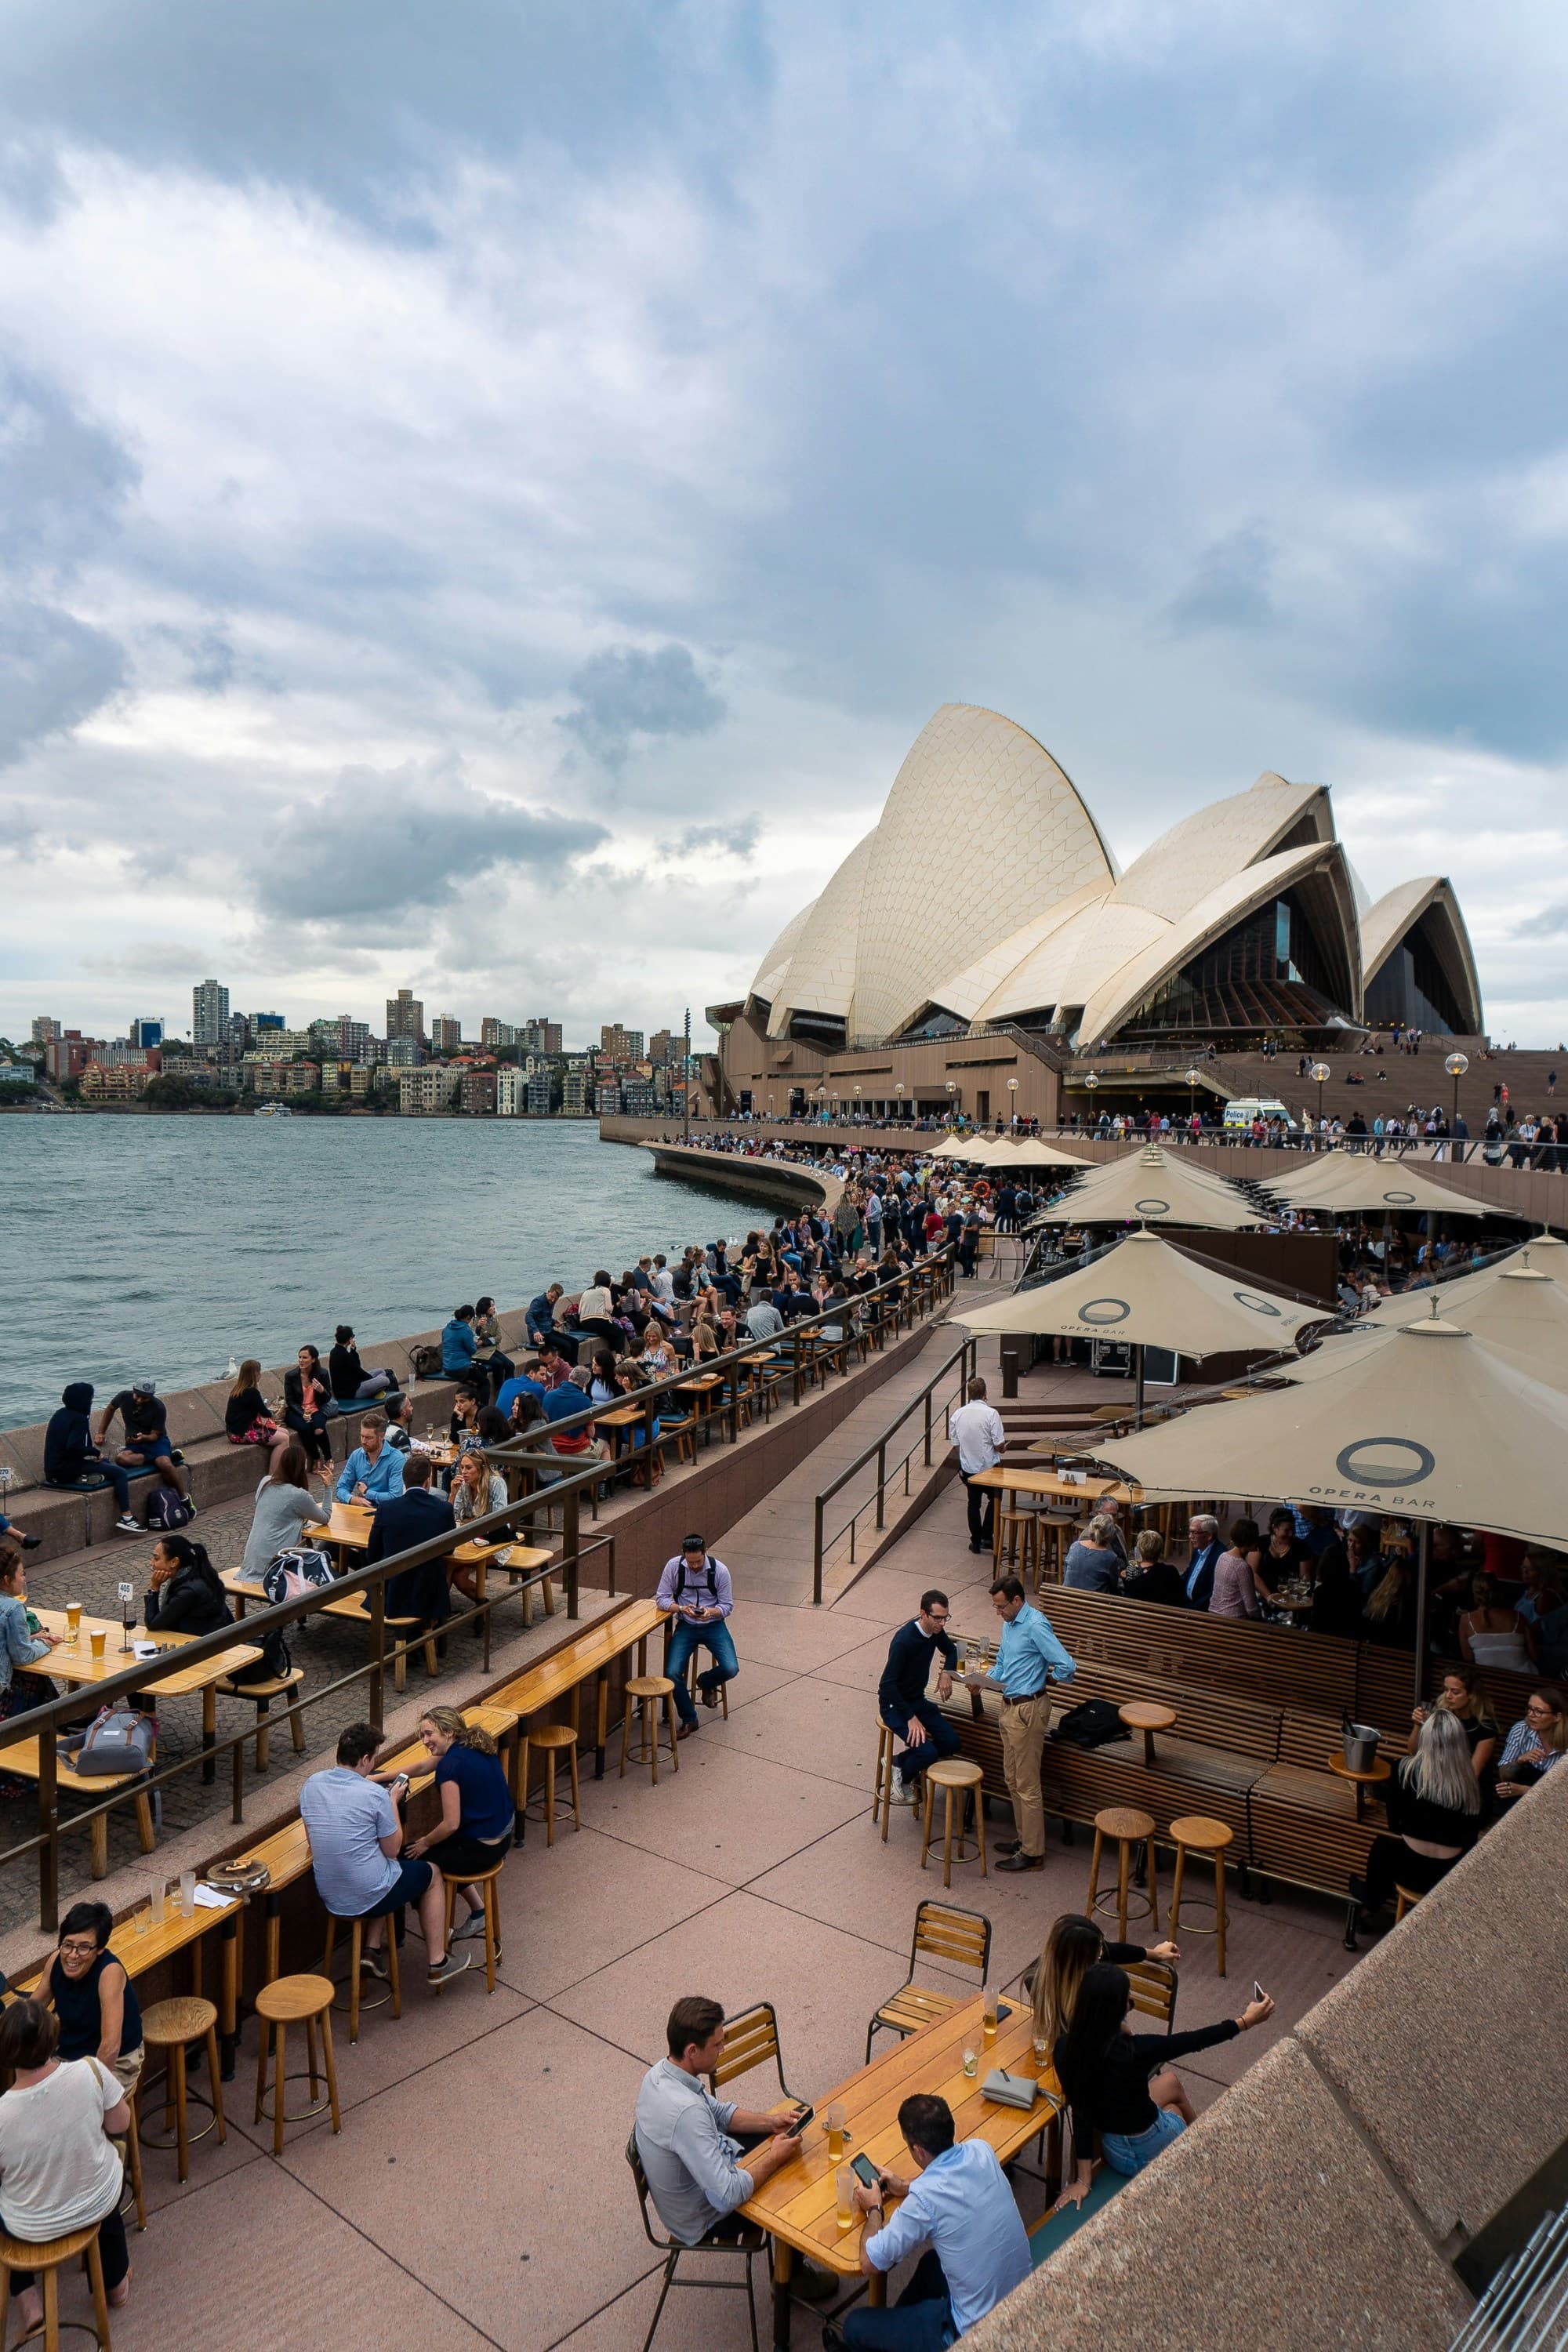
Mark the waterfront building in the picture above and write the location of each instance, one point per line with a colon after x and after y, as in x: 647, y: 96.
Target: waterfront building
x: 116, y: 1082
x: 476, y: 1093
x: 446, y: 1034
x: 405, y: 1018
x: 209, y: 1013
x: 423, y: 1091
x: 983, y: 931
x: 496, y: 1033
x: 577, y: 1090
x: 539, y: 1036
x: 280, y: 1077
x: 511, y: 1094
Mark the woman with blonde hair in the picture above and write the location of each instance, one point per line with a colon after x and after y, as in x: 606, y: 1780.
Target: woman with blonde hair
x: 1434, y: 1806
x: 1075, y: 1945
x: 247, y: 1418
x: 476, y: 1819
x: 476, y: 1491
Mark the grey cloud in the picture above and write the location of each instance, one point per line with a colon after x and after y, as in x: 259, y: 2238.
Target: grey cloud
x: 739, y: 839
x: 1229, y: 586
x: 389, y: 843
x: 63, y: 479
x: 1551, y: 923
x: 623, y: 694
x: 54, y: 671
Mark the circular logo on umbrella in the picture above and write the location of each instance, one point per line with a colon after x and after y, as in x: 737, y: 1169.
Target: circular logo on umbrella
x: 1104, y: 1311
x: 1258, y: 1306
x: 1400, y: 1200
x: 1151, y: 1207
x: 1386, y: 1462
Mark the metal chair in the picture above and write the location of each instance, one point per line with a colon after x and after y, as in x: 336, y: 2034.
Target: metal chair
x: 750, y: 2039
x: 958, y: 1939
x: 747, y: 2240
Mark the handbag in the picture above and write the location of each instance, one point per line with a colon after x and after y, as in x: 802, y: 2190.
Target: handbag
x: 118, y: 1741
x: 1010, y: 2090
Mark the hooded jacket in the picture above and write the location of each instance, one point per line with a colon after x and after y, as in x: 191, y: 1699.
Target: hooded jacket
x: 69, y: 1448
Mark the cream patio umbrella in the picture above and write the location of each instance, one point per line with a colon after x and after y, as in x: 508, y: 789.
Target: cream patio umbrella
x: 1144, y: 1294
x: 1353, y: 1179
x: 1154, y: 1188
x: 1519, y: 1313
x: 972, y: 1147
x: 1002, y: 1152
x: 1542, y: 1254
x: 1427, y: 1422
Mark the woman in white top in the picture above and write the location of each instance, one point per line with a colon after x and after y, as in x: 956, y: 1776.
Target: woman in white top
x: 285, y: 1507
x: 58, y: 2168
x: 1492, y: 1634
x: 476, y: 1490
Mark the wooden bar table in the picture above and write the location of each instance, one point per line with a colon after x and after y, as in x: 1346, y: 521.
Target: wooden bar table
x: 73, y: 1662
x: 1008, y: 1479
x: 798, y: 2205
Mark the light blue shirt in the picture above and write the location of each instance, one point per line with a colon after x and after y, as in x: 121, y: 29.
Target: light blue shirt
x: 963, y: 2204
x: 683, y: 2139
x: 1030, y: 1657
x: 382, y: 1478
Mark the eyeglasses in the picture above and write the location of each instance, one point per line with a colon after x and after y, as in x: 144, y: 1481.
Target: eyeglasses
x: 78, y: 1951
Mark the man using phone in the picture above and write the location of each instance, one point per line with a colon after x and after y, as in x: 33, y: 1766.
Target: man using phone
x: 689, y: 2142
x: 698, y: 1588
x: 960, y: 2205
x: 901, y: 1700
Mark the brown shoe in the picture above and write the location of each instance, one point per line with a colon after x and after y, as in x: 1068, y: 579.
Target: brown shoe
x: 684, y: 1730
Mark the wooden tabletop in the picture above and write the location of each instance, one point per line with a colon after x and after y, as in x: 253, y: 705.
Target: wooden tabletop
x: 798, y: 2203
x: 137, y: 1946
x: 585, y: 1655
x: 415, y: 1758
x: 73, y: 1663
x: 1146, y: 1715
x: 1005, y: 1478
x: 1381, y: 1769
x: 350, y: 1524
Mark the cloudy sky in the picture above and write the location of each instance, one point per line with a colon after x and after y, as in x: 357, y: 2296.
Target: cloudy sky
x: 489, y: 494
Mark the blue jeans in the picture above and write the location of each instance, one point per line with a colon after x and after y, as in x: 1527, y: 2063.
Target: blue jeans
x: 1129, y: 2154
x: 942, y: 1737
x: 714, y: 1637
x: 920, y: 2320
x: 105, y: 1466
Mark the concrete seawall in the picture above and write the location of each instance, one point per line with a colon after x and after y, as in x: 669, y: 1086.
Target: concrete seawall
x: 793, y: 1187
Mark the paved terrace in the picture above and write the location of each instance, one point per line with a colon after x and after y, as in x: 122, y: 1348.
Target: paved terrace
x: 477, y: 2195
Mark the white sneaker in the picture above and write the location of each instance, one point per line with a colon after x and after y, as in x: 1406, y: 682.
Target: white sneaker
x: 903, y: 1790
x: 126, y: 1526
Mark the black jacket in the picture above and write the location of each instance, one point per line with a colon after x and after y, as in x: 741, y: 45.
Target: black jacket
x: 346, y: 1374
x: 1201, y: 1592
x: 68, y: 1449
x: 187, y: 1605
x: 1161, y: 1582
x: 415, y: 1517
x: 294, y: 1413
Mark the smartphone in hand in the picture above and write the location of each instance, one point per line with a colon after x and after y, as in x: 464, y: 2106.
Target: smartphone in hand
x: 865, y: 2171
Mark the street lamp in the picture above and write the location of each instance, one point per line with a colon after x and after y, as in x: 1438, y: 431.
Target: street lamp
x: 770, y: 1105
x: 1013, y: 1103
x: 821, y: 1100
x: 1192, y: 1098
x: 952, y: 1090
x: 1455, y: 1065
x: 856, y: 1106
x: 1320, y: 1071
x: 899, y: 1090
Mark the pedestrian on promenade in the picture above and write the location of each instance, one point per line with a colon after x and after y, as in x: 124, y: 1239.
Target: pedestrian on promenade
x: 698, y: 1588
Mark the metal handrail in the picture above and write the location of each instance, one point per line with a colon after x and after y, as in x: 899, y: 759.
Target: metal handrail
x: 964, y: 1353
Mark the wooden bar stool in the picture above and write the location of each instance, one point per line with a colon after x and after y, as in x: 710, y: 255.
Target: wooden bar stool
x: 959, y: 1781
x: 286, y: 2001
x: 1055, y: 1530
x: 168, y: 2026
x: 644, y: 1692
x: 356, y: 2002
x: 692, y: 1684
x: 46, y: 2261
x: 1129, y: 1828
x: 553, y: 1740
x: 262, y: 1694
x: 1017, y: 1537
x: 485, y: 1880
x: 1405, y: 1899
x: 1195, y: 1833
x: 882, y: 1792
x: 132, y: 2177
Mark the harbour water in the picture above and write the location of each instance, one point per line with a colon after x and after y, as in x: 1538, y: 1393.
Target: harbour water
x: 163, y: 1246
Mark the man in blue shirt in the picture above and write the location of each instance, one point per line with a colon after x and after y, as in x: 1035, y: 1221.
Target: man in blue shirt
x: 960, y: 2202
x: 1203, y: 1535
x: 1029, y: 1658
x: 521, y: 1385
x: 374, y: 1471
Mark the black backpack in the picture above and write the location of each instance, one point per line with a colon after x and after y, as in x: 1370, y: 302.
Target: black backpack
x: 274, y: 1663
x: 713, y: 1580
x: 1093, y: 1722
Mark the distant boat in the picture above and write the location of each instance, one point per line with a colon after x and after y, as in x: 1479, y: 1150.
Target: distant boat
x: 273, y: 1110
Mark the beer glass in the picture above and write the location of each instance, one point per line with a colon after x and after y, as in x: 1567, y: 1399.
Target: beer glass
x: 73, y: 1621
x: 845, y: 2180
x: 98, y: 1638
x: 834, y: 2119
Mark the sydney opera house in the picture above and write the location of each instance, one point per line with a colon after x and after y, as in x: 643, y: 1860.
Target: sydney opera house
x: 987, y: 905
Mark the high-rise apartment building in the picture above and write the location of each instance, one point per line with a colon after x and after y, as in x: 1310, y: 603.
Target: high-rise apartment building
x: 340, y: 1037
x: 620, y: 1046
x: 446, y: 1034
x: 541, y: 1036
x: 406, y: 1016
x: 147, y: 1030
x: 46, y: 1029
x: 496, y: 1033
x: 269, y: 1022
x: 666, y: 1045
x: 210, y: 1015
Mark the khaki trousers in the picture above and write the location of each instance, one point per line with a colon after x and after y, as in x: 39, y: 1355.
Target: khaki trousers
x: 1024, y: 1728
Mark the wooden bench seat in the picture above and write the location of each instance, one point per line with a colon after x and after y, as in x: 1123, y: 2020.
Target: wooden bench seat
x: 21, y: 1757
x: 1302, y: 1828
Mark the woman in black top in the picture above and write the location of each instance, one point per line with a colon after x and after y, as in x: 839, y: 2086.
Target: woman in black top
x: 247, y: 1416
x: 92, y: 1996
x: 1108, y: 2074
x: 306, y: 1396
x: 1075, y: 1945
x: 186, y: 1595
x: 1434, y: 1806
x: 349, y: 1377
x: 1336, y: 1597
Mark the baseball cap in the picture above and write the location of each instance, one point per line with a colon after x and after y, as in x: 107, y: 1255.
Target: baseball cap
x: 144, y: 1387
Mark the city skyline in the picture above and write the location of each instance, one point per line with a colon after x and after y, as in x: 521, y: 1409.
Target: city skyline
x: 495, y: 531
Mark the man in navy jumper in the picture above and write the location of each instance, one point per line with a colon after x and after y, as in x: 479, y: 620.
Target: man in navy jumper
x: 902, y: 1698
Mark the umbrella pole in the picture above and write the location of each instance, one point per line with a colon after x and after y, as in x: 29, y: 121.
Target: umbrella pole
x: 1423, y: 1571
x: 1138, y: 1392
